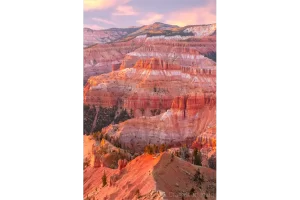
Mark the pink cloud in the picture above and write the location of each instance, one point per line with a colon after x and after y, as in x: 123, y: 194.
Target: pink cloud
x: 102, y: 4
x: 150, y: 18
x: 104, y: 21
x: 125, y: 10
x: 202, y: 15
x: 93, y: 26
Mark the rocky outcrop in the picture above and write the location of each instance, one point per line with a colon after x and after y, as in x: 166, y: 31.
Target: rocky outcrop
x: 156, y: 64
x: 122, y: 164
x: 206, y: 139
x: 104, y: 58
x: 188, y: 118
x: 151, y: 84
x: 202, y: 30
x: 116, y: 67
x: 92, y: 37
x: 185, y: 54
x: 148, y: 177
x: 183, y: 50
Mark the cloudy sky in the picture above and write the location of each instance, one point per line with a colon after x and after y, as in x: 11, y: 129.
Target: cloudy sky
x: 102, y: 14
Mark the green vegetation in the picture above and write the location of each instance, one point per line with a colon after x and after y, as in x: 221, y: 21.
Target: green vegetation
x: 88, y: 118
x: 142, y: 111
x: 211, y: 190
x: 116, y: 143
x: 162, y: 148
x: 212, y: 162
x: 168, y: 33
x: 104, y: 118
x: 104, y: 179
x: 198, y: 177
x: 86, y: 162
x: 192, y: 191
x: 123, y: 116
x: 149, y: 149
x: 184, y: 152
x: 197, y: 157
x: 97, y: 135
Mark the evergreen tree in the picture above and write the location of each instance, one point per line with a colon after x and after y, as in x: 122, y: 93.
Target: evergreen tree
x: 162, y: 148
x: 104, y: 180
x: 198, y: 159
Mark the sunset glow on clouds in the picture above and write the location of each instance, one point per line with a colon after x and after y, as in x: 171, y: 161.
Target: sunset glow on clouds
x: 201, y: 15
x: 104, y: 21
x: 102, y: 4
x: 150, y: 18
x: 125, y: 10
x: 103, y: 14
x: 93, y: 26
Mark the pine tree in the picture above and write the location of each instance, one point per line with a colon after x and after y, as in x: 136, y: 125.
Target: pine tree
x: 104, y: 179
x: 198, y: 159
x: 162, y: 148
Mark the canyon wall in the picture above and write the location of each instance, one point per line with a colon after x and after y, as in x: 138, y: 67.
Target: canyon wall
x: 151, y: 84
x: 188, y: 118
x: 105, y: 56
x: 92, y: 37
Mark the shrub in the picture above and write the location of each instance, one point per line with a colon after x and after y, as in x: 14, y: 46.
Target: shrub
x: 212, y: 162
x: 88, y: 118
x: 105, y: 117
x: 104, y: 179
x: 198, y: 177
x: 123, y: 116
x: 149, y: 149
x: 184, y: 152
x: 192, y: 191
x: 142, y: 111
x: 155, y: 148
x: 158, y: 112
x: 86, y: 162
x: 137, y: 193
x: 162, y: 148
x: 197, y: 158
x: 97, y: 135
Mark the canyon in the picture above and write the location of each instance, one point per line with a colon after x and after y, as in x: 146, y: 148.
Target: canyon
x: 148, y: 87
x: 92, y: 37
x: 159, y: 40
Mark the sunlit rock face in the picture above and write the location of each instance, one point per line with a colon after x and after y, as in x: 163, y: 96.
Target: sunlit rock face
x: 151, y: 84
x: 107, y: 51
x: 188, y: 118
x: 92, y: 37
x: 168, y: 83
x: 104, y: 58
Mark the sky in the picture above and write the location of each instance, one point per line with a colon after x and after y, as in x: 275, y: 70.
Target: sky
x: 103, y: 14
